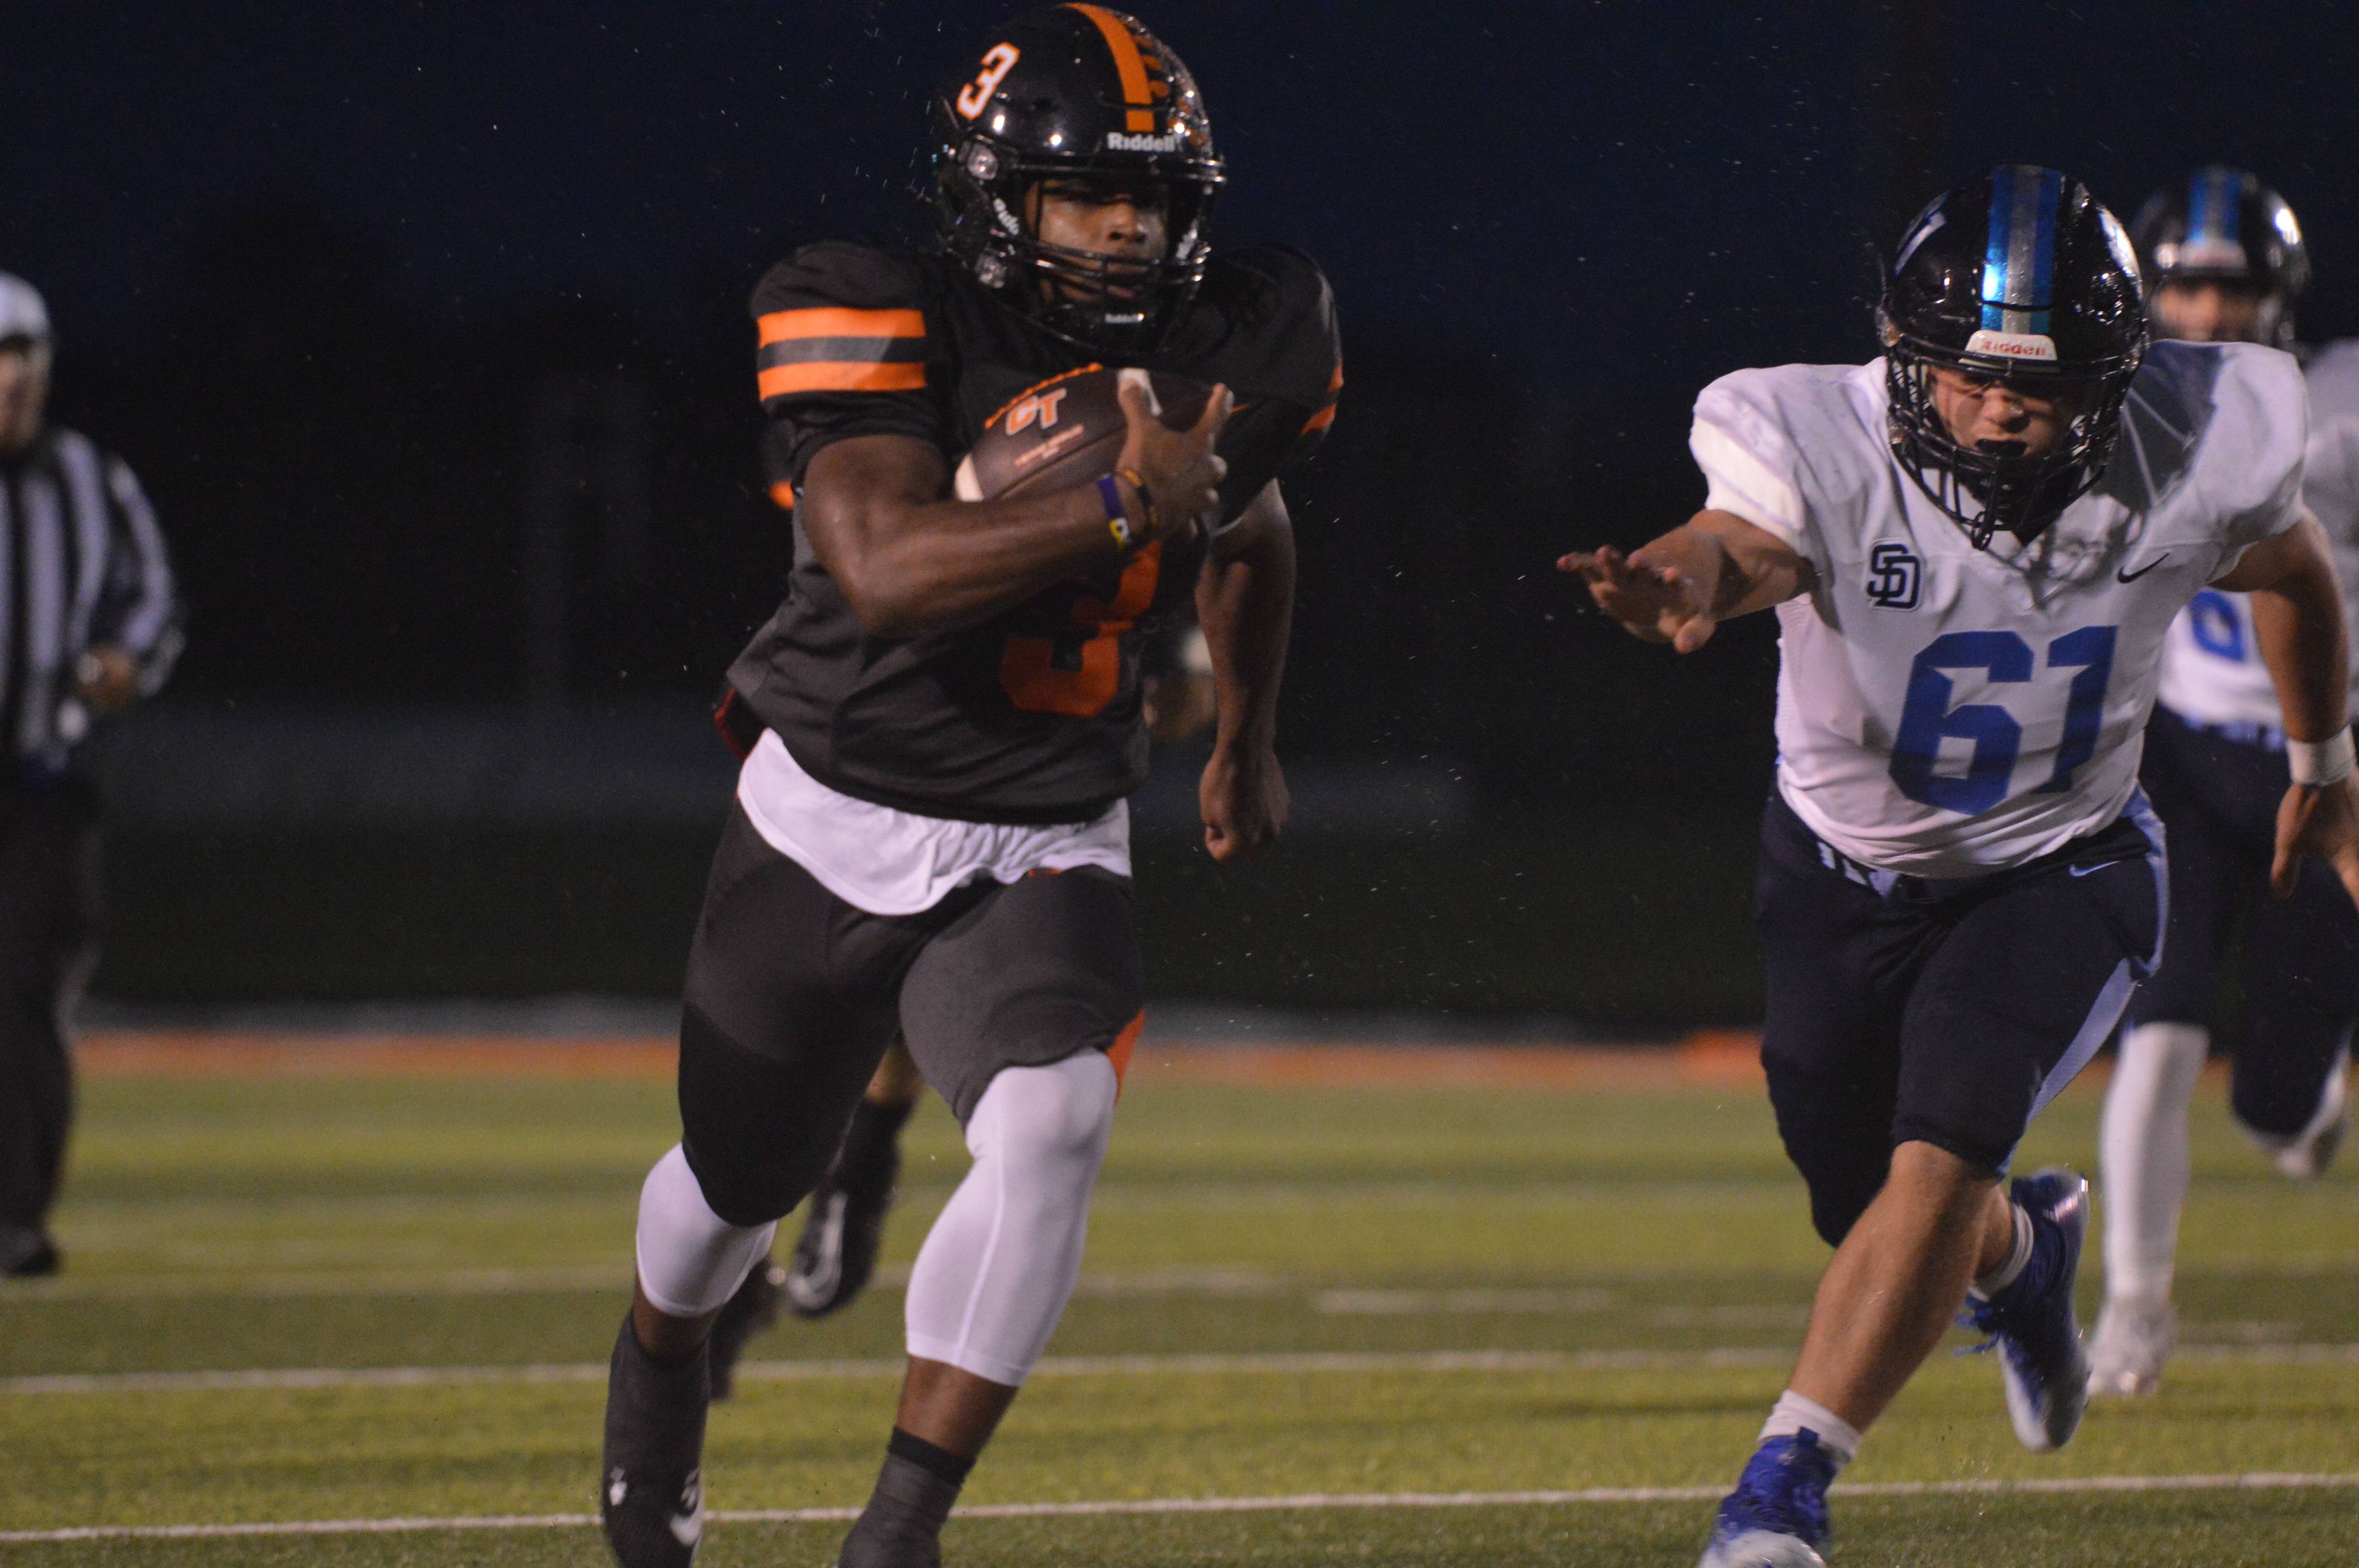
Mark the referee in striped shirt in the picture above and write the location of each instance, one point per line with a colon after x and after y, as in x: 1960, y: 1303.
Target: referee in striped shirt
x: 88, y: 626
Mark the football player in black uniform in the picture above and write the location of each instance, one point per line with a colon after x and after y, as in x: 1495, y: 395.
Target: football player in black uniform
x: 930, y: 831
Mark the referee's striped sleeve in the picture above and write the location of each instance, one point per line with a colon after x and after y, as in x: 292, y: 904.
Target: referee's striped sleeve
x: 140, y: 610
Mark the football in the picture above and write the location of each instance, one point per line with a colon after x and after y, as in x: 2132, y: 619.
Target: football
x: 1066, y: 432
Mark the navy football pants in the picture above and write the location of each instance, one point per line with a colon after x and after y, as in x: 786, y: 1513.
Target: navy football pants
x: 1945, y: 1011
x: 2299, y: 957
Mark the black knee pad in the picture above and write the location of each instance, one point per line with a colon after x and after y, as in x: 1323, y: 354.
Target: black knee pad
x: 757, y: 1143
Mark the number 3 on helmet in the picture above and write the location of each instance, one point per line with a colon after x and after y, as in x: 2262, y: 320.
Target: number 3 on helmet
x: 1076, y: 92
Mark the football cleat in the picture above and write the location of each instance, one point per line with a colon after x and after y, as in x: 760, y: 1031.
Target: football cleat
x: 28, y: 1253
x: 2030, y: 1322
x: 845, y: 1225
x: 2307, y: 1154
x: 753, y: 1308
x: 1778, y: 1515
x: 2132, y: 1339
x: 651, y: 1487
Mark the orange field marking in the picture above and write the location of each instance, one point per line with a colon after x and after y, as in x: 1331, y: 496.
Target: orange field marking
x: 1712, y: 1058
x: 202, y: 1053
x: 1717, y: 1057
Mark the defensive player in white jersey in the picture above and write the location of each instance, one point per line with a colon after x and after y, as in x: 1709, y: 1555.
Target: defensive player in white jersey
x: 1975, y: 546
x: 2225, y: 262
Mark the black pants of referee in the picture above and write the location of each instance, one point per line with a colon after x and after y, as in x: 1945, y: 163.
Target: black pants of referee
x: 48, y: 939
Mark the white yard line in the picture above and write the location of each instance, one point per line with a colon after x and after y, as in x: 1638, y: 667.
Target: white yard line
x: 1306, y: 1500
x: 1279, y: 1363
x: 1219, y: 1282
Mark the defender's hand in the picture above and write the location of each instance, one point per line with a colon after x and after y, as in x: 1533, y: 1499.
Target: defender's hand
x: 1654, y: 600
x: 1180, y: 468
x: 2321, y: 820
x: 1243, y: 799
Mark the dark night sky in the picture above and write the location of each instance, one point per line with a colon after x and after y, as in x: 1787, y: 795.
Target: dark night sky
x: 1599, y: 194
x: 1548, y: 223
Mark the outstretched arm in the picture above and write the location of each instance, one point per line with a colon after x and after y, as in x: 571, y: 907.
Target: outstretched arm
x: 1678, y: 587
x: 2297, y: 621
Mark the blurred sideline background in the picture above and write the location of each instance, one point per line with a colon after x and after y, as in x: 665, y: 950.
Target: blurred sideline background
x: 426, y: 333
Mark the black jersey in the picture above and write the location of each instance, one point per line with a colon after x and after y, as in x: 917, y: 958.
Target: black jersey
x: 1032, y: 716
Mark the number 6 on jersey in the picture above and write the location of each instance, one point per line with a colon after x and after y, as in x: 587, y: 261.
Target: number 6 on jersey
x: 1927, y: 720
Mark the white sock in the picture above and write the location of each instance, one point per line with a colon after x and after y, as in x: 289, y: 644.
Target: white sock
x: 1792, y: 1414
x: 2142, y: 1158
x: 691, y: 1260
x: 2018, y: 1253
x: 996, y: 1271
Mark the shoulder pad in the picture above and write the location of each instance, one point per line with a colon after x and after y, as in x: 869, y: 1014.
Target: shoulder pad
x: 843, y: 318
x: 845, y: 271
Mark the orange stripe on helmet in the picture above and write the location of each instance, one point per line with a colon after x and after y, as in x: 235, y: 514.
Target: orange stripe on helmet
x: 1128, y: 63
x: 823, y: 322
x: 841, y: 375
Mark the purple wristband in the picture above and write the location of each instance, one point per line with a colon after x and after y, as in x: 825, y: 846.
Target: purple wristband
x: 1117, y: 518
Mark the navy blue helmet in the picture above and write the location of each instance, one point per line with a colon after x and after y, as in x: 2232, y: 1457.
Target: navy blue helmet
x: 2224, y: 226
x: 2017, y: 275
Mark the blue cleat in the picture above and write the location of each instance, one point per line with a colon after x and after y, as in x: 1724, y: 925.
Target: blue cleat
x: 1778, y: 1515
x: 2030, y: 1322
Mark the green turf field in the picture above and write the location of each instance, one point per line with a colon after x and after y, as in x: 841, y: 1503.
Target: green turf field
x: 1371, y: 1293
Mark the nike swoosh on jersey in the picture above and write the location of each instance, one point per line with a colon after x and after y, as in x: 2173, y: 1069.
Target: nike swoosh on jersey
x: 2120, y: 576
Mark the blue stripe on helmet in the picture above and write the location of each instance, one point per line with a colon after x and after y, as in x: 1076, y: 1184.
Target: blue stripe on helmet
x: 2215, y: 204
x: 2020, y: 257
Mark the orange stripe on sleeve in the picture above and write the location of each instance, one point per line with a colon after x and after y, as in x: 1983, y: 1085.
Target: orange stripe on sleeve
x: 821, y: 321
x: 1326, y: 417
x: 841, y: 375
x: 784, y: 494
x: 1127, y: 61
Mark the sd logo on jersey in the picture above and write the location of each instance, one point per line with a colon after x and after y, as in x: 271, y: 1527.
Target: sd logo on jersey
x: 1894, y: 576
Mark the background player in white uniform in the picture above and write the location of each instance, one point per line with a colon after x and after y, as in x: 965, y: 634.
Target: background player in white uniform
x: 2224, y: 262
x: 1976, y: 546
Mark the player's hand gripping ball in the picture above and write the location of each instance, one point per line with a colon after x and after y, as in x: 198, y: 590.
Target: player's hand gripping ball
x: 1072, y: 430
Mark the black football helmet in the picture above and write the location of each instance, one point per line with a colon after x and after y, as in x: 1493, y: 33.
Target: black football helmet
x: 1077, y: 92
x: 2225, y: 226
x: 2020, y: 277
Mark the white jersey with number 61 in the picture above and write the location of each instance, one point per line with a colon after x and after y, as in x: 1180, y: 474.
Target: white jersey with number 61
x: 1944, y: 711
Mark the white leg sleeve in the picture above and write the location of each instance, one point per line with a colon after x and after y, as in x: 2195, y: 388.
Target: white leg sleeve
x: 994, y: 1275
x: 691, y: 1260
x: 2142, y: 1156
